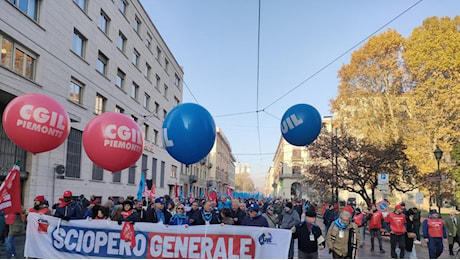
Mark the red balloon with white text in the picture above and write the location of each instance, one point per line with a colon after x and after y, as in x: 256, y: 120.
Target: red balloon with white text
x: 35, y: 122
x: 113, y: 141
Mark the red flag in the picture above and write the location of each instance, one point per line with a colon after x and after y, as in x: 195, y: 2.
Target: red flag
x: 152, y: 191
x: 229, y: 192
x: 176, y: 193
x: 10, y: 195
x: 213, y: 195
x: 205, y: 195
x: 127, y: 234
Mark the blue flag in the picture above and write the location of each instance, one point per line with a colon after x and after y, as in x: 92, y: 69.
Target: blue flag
x: 141, y: 187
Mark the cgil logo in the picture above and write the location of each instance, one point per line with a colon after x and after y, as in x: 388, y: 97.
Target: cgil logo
x: 128, y: 138
x: 40, y: 119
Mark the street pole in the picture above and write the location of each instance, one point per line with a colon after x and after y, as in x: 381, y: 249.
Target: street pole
x: 336, y: 170
x: 439, y: 190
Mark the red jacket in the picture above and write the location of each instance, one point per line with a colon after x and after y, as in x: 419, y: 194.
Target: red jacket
x: 396, y: 223
x: 375, y: 220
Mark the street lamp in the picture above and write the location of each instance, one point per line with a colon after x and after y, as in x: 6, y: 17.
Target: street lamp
x: 438, y: 156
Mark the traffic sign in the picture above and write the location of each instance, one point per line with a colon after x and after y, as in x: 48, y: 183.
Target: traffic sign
x: 384, y: 187
x: 383, y: 179
x: 382, y: 206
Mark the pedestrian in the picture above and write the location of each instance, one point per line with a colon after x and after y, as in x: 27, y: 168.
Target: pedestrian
x: 138, y: 207
x: 417, y: 224
x: 375, y: 219
x: 453, y: 231
x: 128, y: 214
x: 15, y: 229
x: 205, y: 216
x: 3, y: 227
x: 243, y: 207
x: 309, y: 236
x: 330, y: 215
x: 157, y: 212
x: 396, y: 226
x: 288, y: 220
x: 410, y: 235
x: 68, y: 208
x: 272, y: 217
x: 226, y: 216
x: 360, y: 221
x: 179, y: 218
x: 343, y: 237
x: 254, y: 218
x: 236, y: 212
x: 433, y: 232
x: 39, y: 206
x: 193, y: 209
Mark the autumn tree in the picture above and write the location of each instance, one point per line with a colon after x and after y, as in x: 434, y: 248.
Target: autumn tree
x: 359, y: 163
x: 244, y: 183
x: 370, y: 94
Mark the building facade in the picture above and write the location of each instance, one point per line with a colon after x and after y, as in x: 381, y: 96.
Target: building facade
x: 92, y: 57
x: 222, y: 164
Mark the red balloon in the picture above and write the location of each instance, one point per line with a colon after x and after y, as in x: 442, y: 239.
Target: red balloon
x: 36, y: 123
x: 113, y: 141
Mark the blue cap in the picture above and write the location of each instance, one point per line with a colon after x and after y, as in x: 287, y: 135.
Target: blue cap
x: 160, y: 200
x: 433, y: 211
x: 254, y: 207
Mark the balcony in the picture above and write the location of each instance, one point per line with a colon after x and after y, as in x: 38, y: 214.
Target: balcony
x: 192, y: 178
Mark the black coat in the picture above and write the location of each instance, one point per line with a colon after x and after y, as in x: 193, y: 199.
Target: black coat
x: 151, y: 216
x: 198, y: 218
x: 239, y: 215
x: 302, y: 233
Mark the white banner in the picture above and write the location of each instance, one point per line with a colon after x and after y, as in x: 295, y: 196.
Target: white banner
x: 49, y: 237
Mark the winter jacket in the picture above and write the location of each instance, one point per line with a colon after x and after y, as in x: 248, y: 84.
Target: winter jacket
x: 239, y: 215
x: 302, y: 233
x: 257, y: 221
x: 70, y: 211
x: 289, y: 219
x: 134, y: 217
x: 340, y: 244
x: 329, y: 217
x: 199, y: 218
x: 179, y: 219
x: 272, y: 219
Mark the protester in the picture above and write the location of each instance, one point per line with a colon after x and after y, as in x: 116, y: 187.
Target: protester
x: 343, y: 237
x: 360, y: 221
x: 205, y: 216
x: 128, y: 214
x: 68, y: 209
x: 272, y: 217
x: 236, y: 212
x: 417, y: 224
x: 157, y: 212
x: 330, y: 216
x: 396, y: 226
x: 254, y: 218
x: 410, y: 235
x: 288, y: 220
x: 375, y: 219
x: 309, y: 236
x: 433, y: 232
x: 39, y: 206
x: 194, y: 208
x: 453, y: 231
x: 15, y: 229
x: 226, y: 216
x: 138, y: 207
x: 179, y: 218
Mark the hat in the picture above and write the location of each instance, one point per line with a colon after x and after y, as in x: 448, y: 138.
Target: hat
x: 40, y: 198
x: 67, y: 194
x: 129, y: 202
x: 253, y: 207
x: 289, y: 205
x: 311, y: 212
x: 160, y: 200
x: 433, y: 211
x: 399, y: 207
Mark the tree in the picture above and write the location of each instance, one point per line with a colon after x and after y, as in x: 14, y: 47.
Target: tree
x: 370, y: 96
x: 244, y: 183
x: 359, y: 163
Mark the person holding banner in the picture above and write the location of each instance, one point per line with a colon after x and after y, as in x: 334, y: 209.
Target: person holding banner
x: 68, y: 208
x: 179, y: 218
x: 237, y: 214
x: 39, y: 206
x: 128, y: 214
x: 253, y: 218
x: 205, y: 216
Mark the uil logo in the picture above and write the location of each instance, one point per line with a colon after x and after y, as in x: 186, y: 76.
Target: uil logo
x: 265, y: 238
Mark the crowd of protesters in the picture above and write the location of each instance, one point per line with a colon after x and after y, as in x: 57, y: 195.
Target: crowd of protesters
x: 344, y: 230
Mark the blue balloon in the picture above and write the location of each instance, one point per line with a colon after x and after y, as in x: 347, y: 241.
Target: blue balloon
x: 301, y: 124
x: 189, y: 133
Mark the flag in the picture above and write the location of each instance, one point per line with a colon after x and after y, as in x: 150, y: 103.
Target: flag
x: 176, y: 192
x: 229, y: 192
x: 205, y: 194
x: 141, y: 187
x: 10, y: 195
x: 212, y: 195
x: 191, y: 194
x: 181, y: 194
x: 127, y: 234
x: 152, y: 191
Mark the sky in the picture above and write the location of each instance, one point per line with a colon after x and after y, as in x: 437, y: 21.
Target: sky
x: 247, y: 70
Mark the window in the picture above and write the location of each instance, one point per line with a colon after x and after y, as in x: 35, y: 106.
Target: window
x: 7, y: 52
x: 145, y: 131
x: 157, y: 108
x: 134, y: 118
x: 134, y: 90
x: 119, y: 110
x: 296, y: 169
x: 166, y: 65
x: 132, y: 174
x: 135, y: 57
x: 165, y: 93
x: 155, y: 136
x: 162, y: 174
x: 100, y: 104
x: 158, y: 80
x: 158, y: 54
x: 137, y: 24
x: 17, y: 58
x: 122, y: 6
x: 154, y: 170
x: 147, y: 71
x: 176, y: 101
x: 177, y: 81
x: 121, y: 41
x: 73, y: 160
x: 296, y: 154
x: 173, y: 171
x: 102, y: 62
x: 146, y: 102
x: 24, y: 64
x: 29, y: 7
x: 76, y: 91
x: 78, y: 43
x: 165, y: 113
x: 81, y: 4
x: 148, y: 41
x: 98, y: 173
x: 104, y: 22
x: 120, y: 79
x: 116, y: 177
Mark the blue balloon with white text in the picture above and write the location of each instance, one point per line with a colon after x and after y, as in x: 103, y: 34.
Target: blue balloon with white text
x: 189, y: 132
x: 301, y: 124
